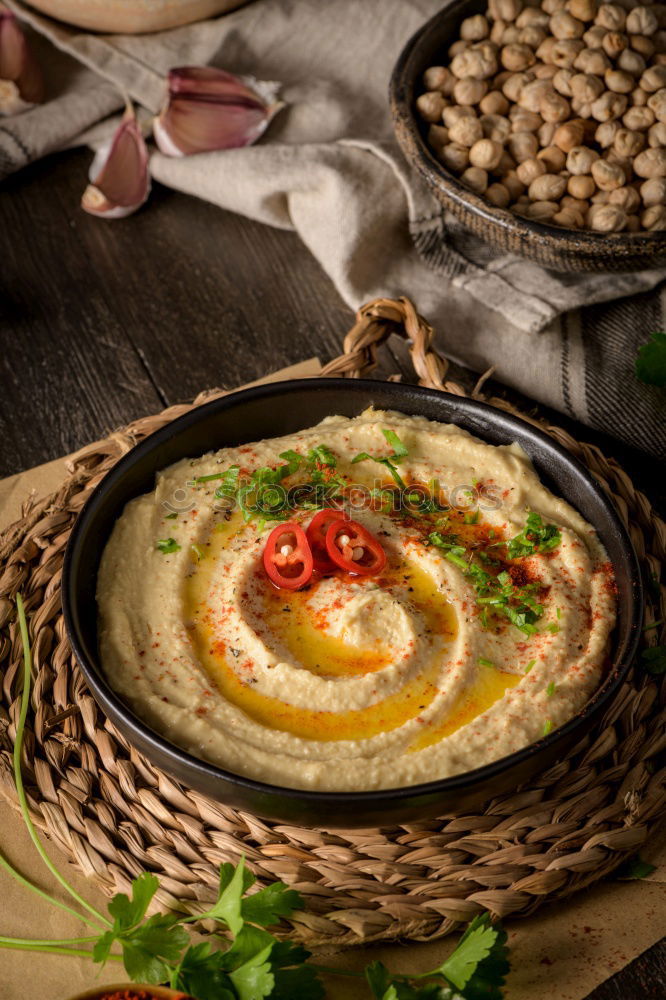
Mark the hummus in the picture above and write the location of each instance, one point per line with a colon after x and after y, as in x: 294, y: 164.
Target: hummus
x: 487, y: 627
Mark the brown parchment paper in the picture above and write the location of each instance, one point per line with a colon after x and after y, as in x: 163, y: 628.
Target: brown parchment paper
x: 562, y: 952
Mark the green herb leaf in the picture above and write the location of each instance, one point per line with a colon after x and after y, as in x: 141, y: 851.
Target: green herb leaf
x: 200, y: 974
x: 547, y: 727
x: 233, y: 883
x: 634, y: 868
x: 171, y: 517
x: 529, y: 666
x: 536, y: 537
x: 127, y: 912
x: 269, y: 905
x: 254, y: 980
x: 551, y: 689
x: 651, y: 361
x: 483, y: 662
x: 480, y: 962
x: 654, y: 660
x: 148, y: 947
x: 229, y: 485
x: 167, y: 545
x: 399, y: 449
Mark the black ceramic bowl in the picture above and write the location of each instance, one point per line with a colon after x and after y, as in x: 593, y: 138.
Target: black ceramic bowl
x: 557, y: 248
x: 282, y: 408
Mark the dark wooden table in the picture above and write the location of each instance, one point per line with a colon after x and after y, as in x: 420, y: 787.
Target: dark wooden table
x: 102, y: 322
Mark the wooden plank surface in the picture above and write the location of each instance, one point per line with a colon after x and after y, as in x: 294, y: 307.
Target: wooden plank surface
x: 101, y: 322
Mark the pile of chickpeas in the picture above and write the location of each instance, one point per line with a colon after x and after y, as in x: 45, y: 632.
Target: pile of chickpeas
x: 556, y: 110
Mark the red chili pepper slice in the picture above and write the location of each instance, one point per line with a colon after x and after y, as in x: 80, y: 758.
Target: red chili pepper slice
x: 316, y: 536
x: 287, y: 556
x: 347, y: 539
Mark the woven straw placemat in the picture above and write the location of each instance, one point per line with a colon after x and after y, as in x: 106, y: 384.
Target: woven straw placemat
x: 115, y: 814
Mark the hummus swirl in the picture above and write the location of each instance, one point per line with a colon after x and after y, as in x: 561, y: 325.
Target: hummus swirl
x: 357, y: 682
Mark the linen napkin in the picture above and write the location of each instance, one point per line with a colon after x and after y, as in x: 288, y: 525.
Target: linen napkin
x: 330, y: 168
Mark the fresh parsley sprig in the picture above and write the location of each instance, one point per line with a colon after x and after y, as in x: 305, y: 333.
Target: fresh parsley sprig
x: 536, y: 537
x: 242, y: 960
x: 388, y: 461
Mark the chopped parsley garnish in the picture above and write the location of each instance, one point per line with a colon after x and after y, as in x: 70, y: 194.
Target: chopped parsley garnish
x: 483, y: 662
x: 171, y: 517
x: 472, y: 518
x: 399, y: 452
x: 167, y: 545
x: 552, y: 628
x: 551, y: 689
x: 547, y: 726
x: 529, y: 666
x: 536, y: 537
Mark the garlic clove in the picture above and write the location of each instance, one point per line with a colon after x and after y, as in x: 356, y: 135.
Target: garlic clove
x: 120, y: 182
x: 21, y: 82
x: 208, y: 109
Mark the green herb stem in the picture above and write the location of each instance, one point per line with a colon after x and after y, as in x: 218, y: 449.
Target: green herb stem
x: 20, y: 791
x: 76, y: 952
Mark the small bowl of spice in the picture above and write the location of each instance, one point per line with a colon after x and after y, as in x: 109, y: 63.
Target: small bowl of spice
x: 132, y: 991
x: 541, y: 124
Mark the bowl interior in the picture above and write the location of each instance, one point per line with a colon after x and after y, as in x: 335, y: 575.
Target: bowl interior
x: 270, y: 411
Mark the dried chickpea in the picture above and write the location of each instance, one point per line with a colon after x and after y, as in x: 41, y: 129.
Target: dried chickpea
x: 641, y: 21
x: 584, y: 10
x: 531, y: 17
x: 431, y: 105
x: 525, y: 121
x: 581, y: 109
x: 439, y: 78
x: 543, y: 71
x: 495, y: 127
x: 618, y: 81
x: 494, y: 103
x: 517, y: 58
x: 651, y: 163
x: 569, y: 135
x: 498, y: 195
x: 594, y: 36
x: 466, y: 131
x: 546, y: 133
x: 628, y: 143
x: 607, y: 176
x: 508, y: 10
x: 485, y: 154
x: 657, y: 135
x: 469, y: 91
x: 457, y: 48
x: 581, y: 186
x: 625, y: 163
x: 613, y: 43
x: 653, y: 191
x: 553, y: 159
x: 475, y: 178
x: 523, y: 146
x: 638, y: 98
x: 627, y: 198
x: 438, y: 136
x: 563, y: 25
x: 609, y: 106
x: 513, y: 86
x: 532, y: 36
x: 476, y: 61
x: 528, y: 170
x: 606, y: 218
x: 631, y: 62
x: 562, y: 82
x: 653, y: 79
x: 600, y: 197
x: 611, y: 16
x: 593, y: 61
x: 513, y: 184
x: 542, y: 211
x: 659, y: 59
x: 565, y: 52
x: 455, y: 156
x: 554, y: 107
x: 638, y: 119
x: 586, y: 87
x: 578, y: 204
x: 531, y: 94
x: 545, y: 50
x: 547, y: 187
x: 473, y: 29
x: 654, y: 218
x: 642, y: 44
x: 453, y: 114
x: 497, y: 31
x: 580, y: 160
x: 510, y: 35
x: 568, y: 219
x: 605, y: 133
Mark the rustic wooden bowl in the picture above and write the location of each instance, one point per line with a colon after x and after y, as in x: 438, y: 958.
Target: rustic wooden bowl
x: 555, y: 247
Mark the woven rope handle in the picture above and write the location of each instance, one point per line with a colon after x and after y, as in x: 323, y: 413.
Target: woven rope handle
x: 376, y: 321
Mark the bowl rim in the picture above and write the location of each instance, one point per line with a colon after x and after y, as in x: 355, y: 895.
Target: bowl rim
x: 622, y: 657
x: 402, y: 87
